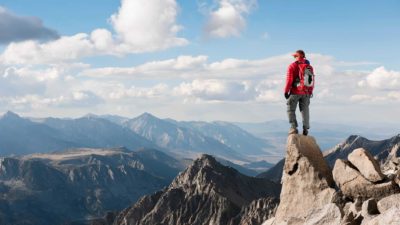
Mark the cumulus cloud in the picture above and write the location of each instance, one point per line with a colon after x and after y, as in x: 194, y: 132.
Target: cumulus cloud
x: 228, y: 19
x: 66, y: 48
x: 140, y: 26
x: 381, y: 78
x: 147, y: 25
x: 15, y: 28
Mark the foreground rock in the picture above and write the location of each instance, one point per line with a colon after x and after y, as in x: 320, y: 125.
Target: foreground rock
x: 328, y: 214
x: 307, y: 181
x: 390, y: 217
x: 354, y: 185
x: 386, y: 151
x: 366, y: 196
x: 389, y: 202
x: 205, y: 193
x: 366, y: 164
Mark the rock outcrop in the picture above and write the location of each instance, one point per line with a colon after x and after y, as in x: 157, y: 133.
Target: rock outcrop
x: 386, y: 151
x: 205, y: 193
x: 364, y: 194
x: 366, y: 164
x: 353, y: 179
x: 307, y: 181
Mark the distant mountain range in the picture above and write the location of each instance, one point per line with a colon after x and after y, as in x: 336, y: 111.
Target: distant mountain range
x: 20, y: 136
x: 254, y: 146
x: 77, y: 184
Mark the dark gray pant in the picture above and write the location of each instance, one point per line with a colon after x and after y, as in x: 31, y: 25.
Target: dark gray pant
x: 304, y: 102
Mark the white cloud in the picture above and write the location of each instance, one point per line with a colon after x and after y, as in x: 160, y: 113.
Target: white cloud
x: 157, y: 91
x: 380, y: 78
x: 219, y: 90
x: 38, y: 102
x: 66, y: 48
x: 180, y: 66
x: 376, y: 99
x: 140, y: 26
x: 229, y: 18
x: 147, y: 25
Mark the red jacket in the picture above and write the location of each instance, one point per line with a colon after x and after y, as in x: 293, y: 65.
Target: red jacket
x: 292, y: 73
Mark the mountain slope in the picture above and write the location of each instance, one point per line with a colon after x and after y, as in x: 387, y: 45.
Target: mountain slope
x: 183, y: 141
x: 22, y: 136
x: 96, y: 132
x: 232, y: 136
x: 205, y: 193
x: 85, y: 183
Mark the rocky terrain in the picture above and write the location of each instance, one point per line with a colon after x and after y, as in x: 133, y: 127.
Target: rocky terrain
x: 79, y: 184
x: 206, y: 193
x: 355, y: 192
x: 386, y: 151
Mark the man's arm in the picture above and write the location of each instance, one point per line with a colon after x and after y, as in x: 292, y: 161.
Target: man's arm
x: 289, y: 79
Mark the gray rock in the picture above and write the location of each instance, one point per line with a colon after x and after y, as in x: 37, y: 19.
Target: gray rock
x: 328, y: 214
x: 307, y: 180
x: 366, y: 164
x: 256, y: 212
x: 354, y: 185
x: 389, y: 217
x: 389, y: 202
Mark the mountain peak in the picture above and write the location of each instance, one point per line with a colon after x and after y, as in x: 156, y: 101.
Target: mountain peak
x: 206, y: 160
x: 147, y: 116
x: 10, y: 114
x: 90, y: 115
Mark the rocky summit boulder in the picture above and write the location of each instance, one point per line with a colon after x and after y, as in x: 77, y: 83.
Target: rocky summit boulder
x: 389, y: 202
x: 366, y: 165
x: 307, y: 181
x: 354, y: 185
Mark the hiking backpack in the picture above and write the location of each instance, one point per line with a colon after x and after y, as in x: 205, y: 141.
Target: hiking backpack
x: 306, y: 78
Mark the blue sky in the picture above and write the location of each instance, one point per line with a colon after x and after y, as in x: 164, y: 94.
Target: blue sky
x: 353, y: 45
x: 350, y: 30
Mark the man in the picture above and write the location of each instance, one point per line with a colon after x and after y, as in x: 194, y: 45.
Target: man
x: 298, y: 90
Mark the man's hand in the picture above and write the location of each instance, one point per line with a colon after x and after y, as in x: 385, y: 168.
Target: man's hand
x: 287, y: 95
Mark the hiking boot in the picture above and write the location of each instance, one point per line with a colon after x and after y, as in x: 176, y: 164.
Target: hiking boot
x: 305, y: 132
x: 293, y: 131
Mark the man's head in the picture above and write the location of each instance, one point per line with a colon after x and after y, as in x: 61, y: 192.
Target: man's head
x: 299, y: 54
